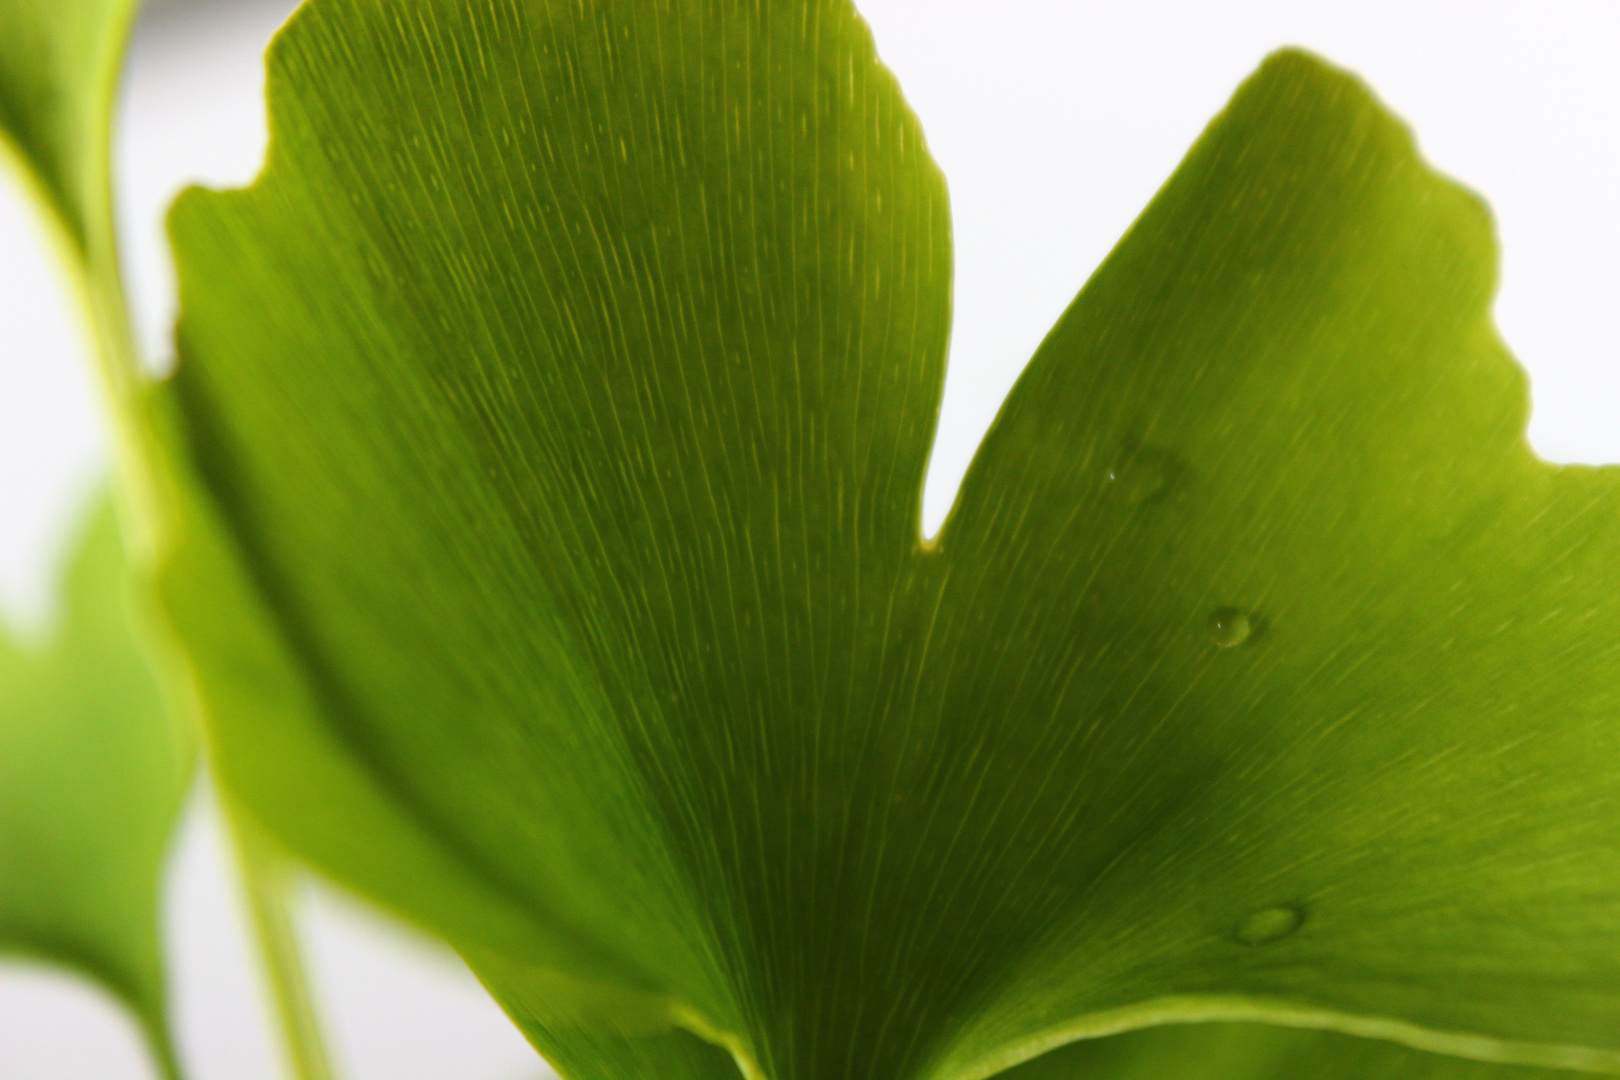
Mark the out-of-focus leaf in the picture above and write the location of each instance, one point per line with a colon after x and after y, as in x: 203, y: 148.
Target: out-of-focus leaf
x: 92, y: 779
x: 1217, y: 1051
x: 560, y: 398
x: 59, y: 66
x: 59, y: 62
x: 92, y: 773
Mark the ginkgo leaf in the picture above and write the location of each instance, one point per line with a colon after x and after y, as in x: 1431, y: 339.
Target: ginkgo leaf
x: 559, y: 399
x: 59, y: 62
x: 93, y: 776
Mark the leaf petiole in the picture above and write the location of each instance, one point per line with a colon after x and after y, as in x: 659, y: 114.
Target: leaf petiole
x: 268, y: 877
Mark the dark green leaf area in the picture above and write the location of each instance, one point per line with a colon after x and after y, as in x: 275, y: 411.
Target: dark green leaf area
x: 58, y: 66
x: 565, y: 388
x: 1257, y: 1052
x: 602, y: 1054
x: 93, y: 776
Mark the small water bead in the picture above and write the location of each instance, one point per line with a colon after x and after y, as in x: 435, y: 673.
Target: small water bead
x: 1229, y: 626
x: 1135, y: 479
x: 1270, y: 924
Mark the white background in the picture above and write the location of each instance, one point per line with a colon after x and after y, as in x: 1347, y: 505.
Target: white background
x: 1054, y: 122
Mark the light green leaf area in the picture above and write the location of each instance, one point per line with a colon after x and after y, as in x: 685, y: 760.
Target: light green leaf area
x: 560, y: 398
x: 93, y: 776
x: 1257, y: 1052
x: 59, y: 62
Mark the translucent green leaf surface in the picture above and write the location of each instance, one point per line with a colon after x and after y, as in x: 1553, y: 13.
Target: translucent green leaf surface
x: 560, y: 398
x: 92, y: 779
x: 1217, y: 1051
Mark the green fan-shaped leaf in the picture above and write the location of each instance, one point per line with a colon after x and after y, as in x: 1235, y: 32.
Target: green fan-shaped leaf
x: 59, y: 62
x: 559, y: 400
x: 93, y: 776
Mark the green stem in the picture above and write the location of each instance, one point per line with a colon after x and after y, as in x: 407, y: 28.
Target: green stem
x: 162, y: 1049
x: 267, y: 881
x: 145, y: 482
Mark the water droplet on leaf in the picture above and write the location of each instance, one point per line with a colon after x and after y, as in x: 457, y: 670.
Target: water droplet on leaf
x: 1229, y: 626
x: 1269, y: 924
x: 1135, y: 479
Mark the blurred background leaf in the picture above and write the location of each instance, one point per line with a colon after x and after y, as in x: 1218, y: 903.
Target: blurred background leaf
x: 59, y: 67
x: 93, y: 775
